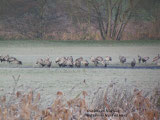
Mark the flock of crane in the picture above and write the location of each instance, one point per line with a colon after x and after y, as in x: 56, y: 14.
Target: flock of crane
x: 69, y: 62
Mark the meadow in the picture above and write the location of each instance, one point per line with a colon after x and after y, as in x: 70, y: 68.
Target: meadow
x: 47, y: 81
x: 54, y: 79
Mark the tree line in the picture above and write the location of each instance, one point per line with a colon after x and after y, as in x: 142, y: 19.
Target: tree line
x: 36, y: 18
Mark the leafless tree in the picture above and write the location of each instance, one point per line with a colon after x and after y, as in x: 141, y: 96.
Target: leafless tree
x: 111, y: 16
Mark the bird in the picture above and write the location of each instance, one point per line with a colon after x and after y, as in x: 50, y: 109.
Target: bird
x: 47, y: 62
x: 94, y: 60
x: 40, y: 62
x: 77, y: 64
x: 1, y: 58
x: 69, y: 61
x: 133, y: 63
x: 11, y: 59
x: 104, y: 63
x: 108, y: 58
x: 122, y: 59
x: 79, y: 59
x: 139, y: 58
x: 61, y: 61
x: 6, y: 58
x: 95, y: 63
x: 44, y: 62
x: 99, y: 58
x: 85, y: 63
x: 145, y: 59
x: 16, y: 62
x: 155, y: 59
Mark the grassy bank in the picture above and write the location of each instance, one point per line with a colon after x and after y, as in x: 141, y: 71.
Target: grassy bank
x: 46, y: 43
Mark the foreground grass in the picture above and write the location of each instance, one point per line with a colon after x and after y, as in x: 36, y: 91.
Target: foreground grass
x: 110, y: 103
x: 45, y: 43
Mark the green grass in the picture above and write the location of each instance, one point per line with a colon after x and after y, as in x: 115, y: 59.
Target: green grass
x: 45, y: 43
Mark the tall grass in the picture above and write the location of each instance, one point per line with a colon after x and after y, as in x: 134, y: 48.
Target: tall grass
x: 109, y: 103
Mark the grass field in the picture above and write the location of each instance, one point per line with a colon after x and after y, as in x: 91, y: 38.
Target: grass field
x: 52, y: 80
x: 47, y: 43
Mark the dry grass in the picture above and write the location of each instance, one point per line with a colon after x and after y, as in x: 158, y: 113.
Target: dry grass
x: 112, y: 100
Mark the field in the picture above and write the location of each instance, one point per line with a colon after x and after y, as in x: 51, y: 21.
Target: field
x: 70, y: 80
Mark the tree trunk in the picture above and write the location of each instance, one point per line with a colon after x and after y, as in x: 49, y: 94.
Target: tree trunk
x: 117, y: 37
x: 109, y: 4
x: 101, y: 29
x: 100, y: 21
x: 118, y: 12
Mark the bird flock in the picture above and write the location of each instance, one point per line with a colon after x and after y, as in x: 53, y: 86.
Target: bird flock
x: 78, y: 62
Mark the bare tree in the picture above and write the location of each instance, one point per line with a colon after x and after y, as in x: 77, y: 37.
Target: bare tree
x: 41, y: 10
x: 111, y: 16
